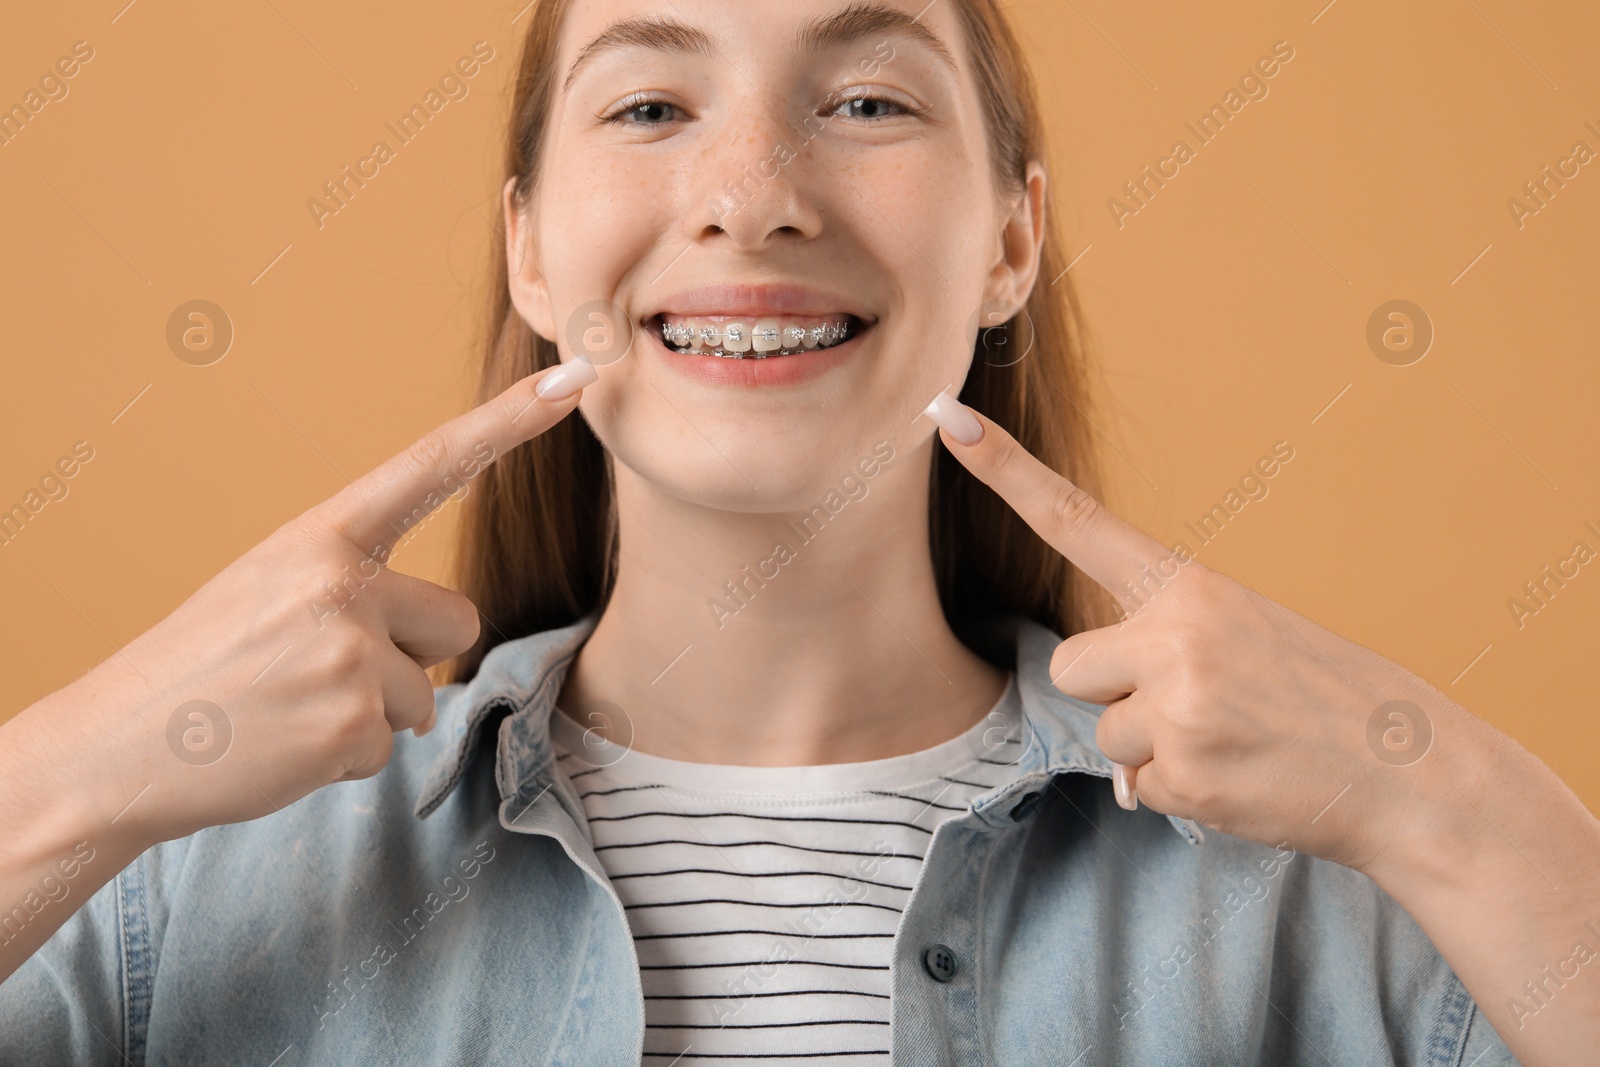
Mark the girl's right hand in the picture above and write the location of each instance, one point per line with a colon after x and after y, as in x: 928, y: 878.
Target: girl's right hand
x: 291, y: 669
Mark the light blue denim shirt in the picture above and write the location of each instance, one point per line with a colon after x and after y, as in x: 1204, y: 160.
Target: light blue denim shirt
x: 450, y: 910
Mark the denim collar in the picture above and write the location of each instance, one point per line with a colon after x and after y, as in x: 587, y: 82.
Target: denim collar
x: 519, y: 681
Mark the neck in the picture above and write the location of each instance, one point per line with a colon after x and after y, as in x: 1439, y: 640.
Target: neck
x: 780, y: 639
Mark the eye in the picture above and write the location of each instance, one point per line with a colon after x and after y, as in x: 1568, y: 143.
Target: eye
x: 643, y: 111
x: 865, y: 108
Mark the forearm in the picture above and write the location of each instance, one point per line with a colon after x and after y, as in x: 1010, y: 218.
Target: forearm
x: 1500, y: 870
x: 61, y: 844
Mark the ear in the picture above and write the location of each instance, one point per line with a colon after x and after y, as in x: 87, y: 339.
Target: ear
x: 1021, y: 236
x: 530, y: 294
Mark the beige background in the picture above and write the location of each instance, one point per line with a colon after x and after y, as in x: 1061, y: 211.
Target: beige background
x: 1231, y: 311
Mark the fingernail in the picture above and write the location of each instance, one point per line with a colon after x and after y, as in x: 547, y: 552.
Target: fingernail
x: 427, y: 727
x: 956, y: 417
x: 566, y: 379
x: 1122, y: 785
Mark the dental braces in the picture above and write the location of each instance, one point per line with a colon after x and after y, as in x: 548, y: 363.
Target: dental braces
x: 793, y: 338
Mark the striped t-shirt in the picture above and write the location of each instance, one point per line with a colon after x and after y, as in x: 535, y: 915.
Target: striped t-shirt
x: 764, y: 901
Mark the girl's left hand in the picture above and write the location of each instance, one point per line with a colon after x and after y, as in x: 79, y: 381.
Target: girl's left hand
x: 1223, y: 706
x: 1227, y: 708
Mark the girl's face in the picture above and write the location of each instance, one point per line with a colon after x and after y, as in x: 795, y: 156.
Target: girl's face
x: 815, y: 167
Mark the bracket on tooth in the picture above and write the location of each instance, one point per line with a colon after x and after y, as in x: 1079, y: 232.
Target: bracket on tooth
x: 829, y: 333
x: 794, y: 337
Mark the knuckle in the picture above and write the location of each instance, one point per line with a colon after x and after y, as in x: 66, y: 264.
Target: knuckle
x: 1178, y: 644
x: 515, y: 401
x: 1005, y: 456
x: 308, y: 532
x: 428, y: 453
x: 1187, y: 718
x: 321, y: 522
x: 1193, y: 792
x: 1177, y: 786
x: 1073, y: 510
x: 1204, y: 586
x: 1106, y: 732
x: 354, y: 723
x: 417, y: 701
x: 380, y: 749
x: 373, y: 756
x: 467, y: 622
x: 1186, y: 644
x: 346, y: 657
x: 1066, y: 654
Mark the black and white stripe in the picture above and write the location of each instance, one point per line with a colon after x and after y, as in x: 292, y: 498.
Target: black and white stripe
x: 764, y: 900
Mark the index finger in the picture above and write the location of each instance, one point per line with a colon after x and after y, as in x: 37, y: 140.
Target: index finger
x: 1102, y: 544
x: 378, y: 508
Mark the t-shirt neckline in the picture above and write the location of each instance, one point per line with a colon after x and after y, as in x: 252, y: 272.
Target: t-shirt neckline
x: 622, y: 766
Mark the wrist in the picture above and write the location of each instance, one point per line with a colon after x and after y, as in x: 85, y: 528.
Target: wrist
x: 64, y: 778
x: 1488, y: 830
x: 1438, y: 840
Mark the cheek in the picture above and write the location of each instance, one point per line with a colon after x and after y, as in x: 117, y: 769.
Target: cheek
x: 621, y: 416
x: 926, y: 198
x: 938, y: 256
x: 591, y: 239
x: 598, y: 224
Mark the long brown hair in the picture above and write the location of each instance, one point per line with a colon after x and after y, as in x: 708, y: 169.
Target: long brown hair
x: 538, y: 545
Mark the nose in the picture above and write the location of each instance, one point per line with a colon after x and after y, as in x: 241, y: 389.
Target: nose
x: 757, y: 187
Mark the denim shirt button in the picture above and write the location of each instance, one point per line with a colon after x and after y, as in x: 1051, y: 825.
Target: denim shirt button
x: 940, y: 963
x: 1024, y: 807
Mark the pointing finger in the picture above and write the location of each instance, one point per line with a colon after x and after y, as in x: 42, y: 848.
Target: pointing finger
x: 375, y: 510
x: 1103, y: 545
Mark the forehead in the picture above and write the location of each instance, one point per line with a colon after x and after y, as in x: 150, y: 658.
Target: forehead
x: 728, y: 29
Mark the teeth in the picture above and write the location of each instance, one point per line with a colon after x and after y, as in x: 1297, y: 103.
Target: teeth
x: 741, y: 339
x: 736, y: 337
x: 764, y: 336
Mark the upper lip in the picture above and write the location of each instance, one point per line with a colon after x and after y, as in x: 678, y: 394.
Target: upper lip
x: 733, y: 298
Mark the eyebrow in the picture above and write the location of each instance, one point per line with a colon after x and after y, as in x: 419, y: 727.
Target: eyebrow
x: 643, y: 31
x: 862, y: 20
x: 858, y: 21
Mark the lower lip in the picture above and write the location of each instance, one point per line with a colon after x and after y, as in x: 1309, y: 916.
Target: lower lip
x: 773, y: 370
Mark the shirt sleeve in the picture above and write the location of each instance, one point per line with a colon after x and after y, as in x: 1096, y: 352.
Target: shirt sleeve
x: 83, y: 998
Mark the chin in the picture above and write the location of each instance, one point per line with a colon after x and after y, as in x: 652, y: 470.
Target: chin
x: 755, y: 465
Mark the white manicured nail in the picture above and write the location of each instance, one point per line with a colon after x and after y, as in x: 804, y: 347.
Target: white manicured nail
x: 955, y: 417
x: 566, y: 379
x: 1122, y: 783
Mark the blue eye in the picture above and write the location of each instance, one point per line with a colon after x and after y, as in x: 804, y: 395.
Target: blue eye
x: 644, y: 113
x: 868, y: 108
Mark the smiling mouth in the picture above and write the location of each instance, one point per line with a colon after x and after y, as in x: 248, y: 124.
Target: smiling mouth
x: 748, y: 337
